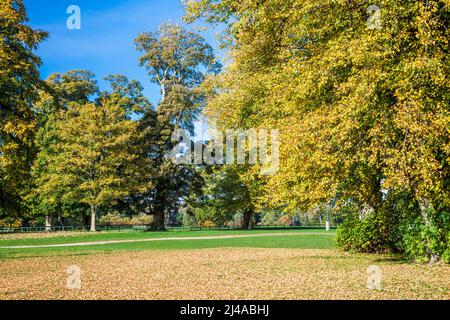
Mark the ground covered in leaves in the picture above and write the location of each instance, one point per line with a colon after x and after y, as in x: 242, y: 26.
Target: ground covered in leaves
x: 221, y: 273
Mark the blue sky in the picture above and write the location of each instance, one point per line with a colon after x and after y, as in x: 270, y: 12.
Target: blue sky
x: 104, y: 45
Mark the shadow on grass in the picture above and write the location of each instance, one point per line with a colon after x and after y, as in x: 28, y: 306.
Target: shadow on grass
x: 21, y: 255
x: 393, y: 258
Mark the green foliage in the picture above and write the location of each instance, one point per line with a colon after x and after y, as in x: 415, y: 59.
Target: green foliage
x: 269, y: 217
x: 362, y: 235
x: 359, y: 109
x: 119, y: 219
x: 96, y: 160
x: 420, y: 241
x: 225, y: 193
x: 19, y: 83
x: 215, y: 215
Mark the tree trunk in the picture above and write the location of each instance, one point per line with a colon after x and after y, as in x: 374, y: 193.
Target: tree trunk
x: 85, y: 218
x: 159, y: 220
x: 247, y: 221
x: 328, y: 224
x: 48, y: 223
x: 60, y: 220
x: 424, y: 206
x: 93, y: 216
x: 159, y: 207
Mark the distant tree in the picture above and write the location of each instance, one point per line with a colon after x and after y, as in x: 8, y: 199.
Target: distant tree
x: 178, y: 61
x: 97, y: 157
x: 226, y: 193
x: 61, y: 91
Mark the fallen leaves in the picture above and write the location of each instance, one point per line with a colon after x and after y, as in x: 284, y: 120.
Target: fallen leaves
x: 221, y: 274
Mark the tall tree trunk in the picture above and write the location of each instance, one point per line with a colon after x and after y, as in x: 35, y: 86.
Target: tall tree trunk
x: 93, y: 216
x: 248, y: 219
x: 159, y: 208
x: 424, y: 206
x: 48, y: 223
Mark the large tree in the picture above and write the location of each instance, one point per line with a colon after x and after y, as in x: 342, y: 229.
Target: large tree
x: 362, y: 104
x: 19, y: 83
x: 75, y: 87
x: 97, y: 157
x: 61, y: 91
x: 177, y: 61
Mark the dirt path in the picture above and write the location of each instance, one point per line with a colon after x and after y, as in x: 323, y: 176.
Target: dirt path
x: 80, y: 244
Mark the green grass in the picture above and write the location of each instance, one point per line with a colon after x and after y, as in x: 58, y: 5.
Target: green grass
x: 299, y: 241
x: 105, y: 236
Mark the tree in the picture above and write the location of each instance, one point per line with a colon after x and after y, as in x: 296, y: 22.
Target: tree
x: 61, y: 90
x: 227, y: 192
x: 19, y: 81
x: 97, y: 158
x: 75, y: 87
x: 178, y: 62
x: 363, y: 109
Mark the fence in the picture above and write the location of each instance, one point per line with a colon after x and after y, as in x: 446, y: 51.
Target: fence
x: 128, y: 228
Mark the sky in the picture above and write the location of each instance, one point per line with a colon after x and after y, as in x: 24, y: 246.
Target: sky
x: 104, y: 44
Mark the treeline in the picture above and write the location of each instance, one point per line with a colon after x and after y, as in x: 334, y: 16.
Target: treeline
x: 69, y: 150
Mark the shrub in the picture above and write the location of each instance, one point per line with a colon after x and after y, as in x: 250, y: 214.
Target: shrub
x: 10, y: 223
x: 397, y: 226
x: 212, y: 214
x: 362, y: 235
x: 269, y: 218
x: 420, y: 241
x: 376, y: 231
x: 285, y: 220
x: 117, y: 219
x: 208, y: 224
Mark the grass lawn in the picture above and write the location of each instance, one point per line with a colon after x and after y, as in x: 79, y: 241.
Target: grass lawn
x: 278, y: 264
x: 305, y: 239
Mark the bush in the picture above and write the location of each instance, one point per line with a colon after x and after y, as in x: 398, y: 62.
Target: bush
x: 116, y: 219
x: 208, y: 224
x: 362, y: 235
x: 397, y: 227
x: 212, y: 214
x: 376, y: 231
x: 10, y: 223
x: 285, y: 220
x: 420, y: 241
x: 269, y: 218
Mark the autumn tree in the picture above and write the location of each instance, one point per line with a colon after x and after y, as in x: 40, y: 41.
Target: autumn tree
x: 62, y: 90
x: 19, y: 83
x: 360, y: 95
x: 97, y: 159
x: 177, y: 61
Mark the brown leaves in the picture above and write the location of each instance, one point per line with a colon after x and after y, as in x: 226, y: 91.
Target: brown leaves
x: 222, y: 274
